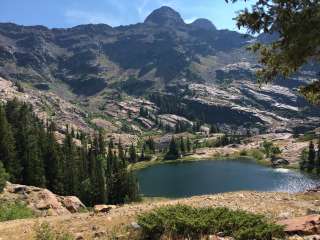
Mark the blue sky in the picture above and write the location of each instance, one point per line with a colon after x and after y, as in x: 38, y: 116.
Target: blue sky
x: 68, y: 13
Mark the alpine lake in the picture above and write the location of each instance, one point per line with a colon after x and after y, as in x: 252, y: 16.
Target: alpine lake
x: 178, y: 180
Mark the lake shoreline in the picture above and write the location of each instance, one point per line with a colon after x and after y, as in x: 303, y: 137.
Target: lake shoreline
x: 146, y: 164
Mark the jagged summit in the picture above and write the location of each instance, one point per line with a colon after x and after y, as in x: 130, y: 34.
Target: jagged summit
x: 164, y: 16
x: 204, y: 24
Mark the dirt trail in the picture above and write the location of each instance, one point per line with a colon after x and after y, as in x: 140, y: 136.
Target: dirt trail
x: 273, y: 205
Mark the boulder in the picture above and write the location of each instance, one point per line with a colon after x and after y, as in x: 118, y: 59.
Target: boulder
x: 41, y: 200
x: 276, y: 161
x: 72, y: 203
x: 315, y: 189
x: 306, y: 225
x: 46, y: 200
x: 103, y: 208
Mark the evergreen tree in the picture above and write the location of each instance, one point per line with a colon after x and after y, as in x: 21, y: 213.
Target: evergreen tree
x: 182, y: 146
x: 142, y: 156
x: 33, y: 168
x: 7, y: 147
x: 304, y: 159
x: 318, y: 158
x: 132, y: 154
x: 311, y: 156
x: 4, y: 176
x: 12, y: 113
x: 71, y: 173
x: 178, y: 127
x: 110, y: 160
x: 98, y: 181
x: 121, y: 152
x: 67, y: 168
x: 294, y: 29
x: 101, y: 180
x: 189, y: 145
x: 102, y: 144
x: 151, y: 145
x: 173, y: 152
x: 53, y: 162
x: 213, y: 129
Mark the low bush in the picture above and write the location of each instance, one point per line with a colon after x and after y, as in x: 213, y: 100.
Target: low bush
x: 256, y: 154
x: 45, y: 232
x: 15, y: 210
x: 182, y: 221
x: 4, y: 176
x: 243, y: 152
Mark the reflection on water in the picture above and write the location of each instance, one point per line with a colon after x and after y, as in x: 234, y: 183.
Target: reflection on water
x: 282, y: 170
x: 209, y: 177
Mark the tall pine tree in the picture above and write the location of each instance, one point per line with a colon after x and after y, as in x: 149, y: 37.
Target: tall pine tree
x: 7, y: 148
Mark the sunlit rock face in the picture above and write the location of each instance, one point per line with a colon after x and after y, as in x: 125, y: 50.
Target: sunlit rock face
x: 209, y: 69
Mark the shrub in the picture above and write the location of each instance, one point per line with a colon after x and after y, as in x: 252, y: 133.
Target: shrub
x: 182, y: 221
x: 45, y: 232
x: 256, y: 154
x: 243, y: 152
x: 4, y: 176
x: 16, y: 210
x: 270, y: 149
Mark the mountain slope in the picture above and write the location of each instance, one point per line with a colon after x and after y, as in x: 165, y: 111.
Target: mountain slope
x: 90, y: 57
x: 101, y: 69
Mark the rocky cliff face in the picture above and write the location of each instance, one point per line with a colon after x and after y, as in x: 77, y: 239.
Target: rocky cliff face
x: 91, y: 66
x: 90, y: 57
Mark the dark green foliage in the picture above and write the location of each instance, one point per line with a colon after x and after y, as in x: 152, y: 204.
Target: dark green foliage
x: 31, y: 155
x: 173, y: 152
x: 182, y: 221
x: 304, y: 159
x: 4, y: 176
x: 142, y: 156
x: 214, y: 129
x: 7, y: 146
x: 269, y: 149
x: 311, y: 157
x: 150, y: 145
x: 144, y: 112
x: 293, y: 29
x: 121, y: 184
x: 70, y: 154
x: 19, y: 87
x: 182, y: 127
x: 189, y: 145
x: 182, y: 146
x: 132, y: 154
x: 53, y: 162
x: 12, y: 211
x: 318, y: 158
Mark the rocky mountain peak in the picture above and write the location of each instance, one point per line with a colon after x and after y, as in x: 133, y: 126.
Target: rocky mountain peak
x: 203, y: 23
x: 164, y: 16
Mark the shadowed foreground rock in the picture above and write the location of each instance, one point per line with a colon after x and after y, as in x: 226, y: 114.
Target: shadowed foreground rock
x: 103, y: 208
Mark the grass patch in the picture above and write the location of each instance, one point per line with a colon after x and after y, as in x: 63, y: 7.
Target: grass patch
x: 16, y: 210
x: 181, y: 221
x: 45, y: 232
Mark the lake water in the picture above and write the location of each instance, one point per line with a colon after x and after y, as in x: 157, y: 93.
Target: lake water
x: 208, y: 177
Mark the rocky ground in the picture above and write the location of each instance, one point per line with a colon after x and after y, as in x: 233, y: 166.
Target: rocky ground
x: 118, y: 222
x: 290, y: 147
